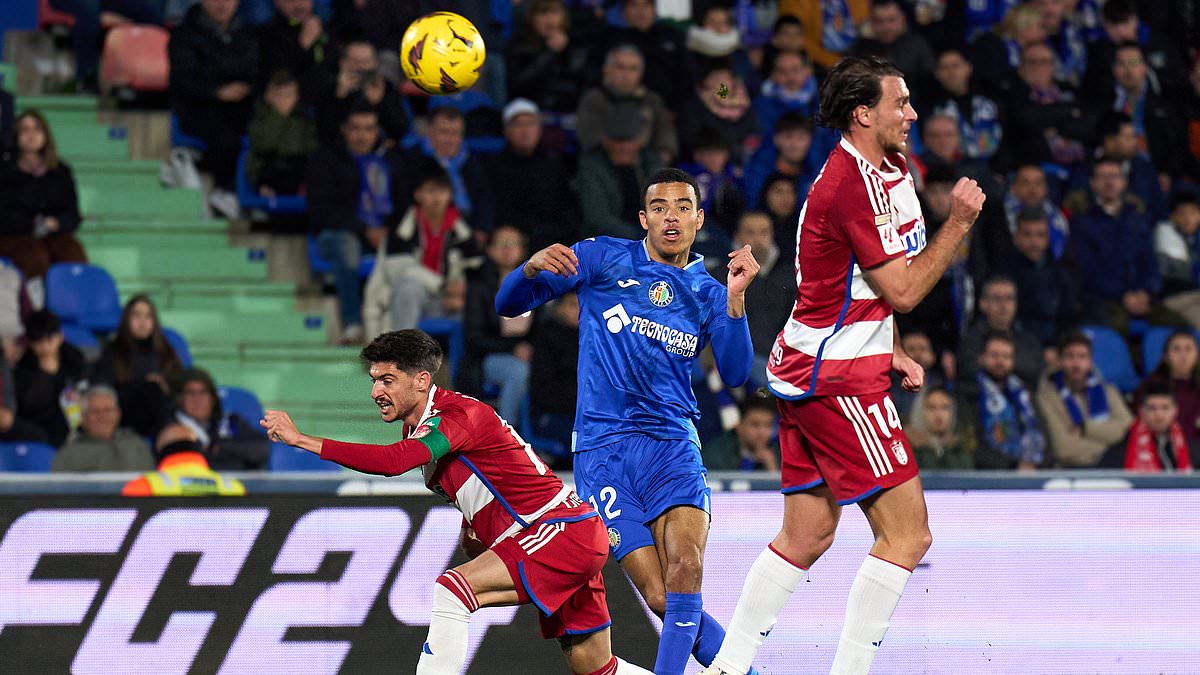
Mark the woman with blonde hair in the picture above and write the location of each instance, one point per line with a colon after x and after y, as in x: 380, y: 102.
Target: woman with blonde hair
x: 997, y: 53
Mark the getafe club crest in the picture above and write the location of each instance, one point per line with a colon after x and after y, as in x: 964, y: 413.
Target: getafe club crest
x: 614, y: 538
x: 661, y: 294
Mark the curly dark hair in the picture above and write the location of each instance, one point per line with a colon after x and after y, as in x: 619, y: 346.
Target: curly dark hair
x: 669, y: 176
x: 413, y: 351
x: 854, y: 81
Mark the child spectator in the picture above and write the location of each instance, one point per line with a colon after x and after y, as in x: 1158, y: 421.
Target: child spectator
x: 139, y: 363
x: 937, y: 442
x: 282, y: 137
x: 423, y: 260
x: 228, y: 441
x: 748, y: 446
x: 39, y: 209
x: 1179, y: 371
x: 100, y: 443
x: 1156, y: 442
x: 1009, y: 436
x: 47, y: 376
x: 1084, y: 414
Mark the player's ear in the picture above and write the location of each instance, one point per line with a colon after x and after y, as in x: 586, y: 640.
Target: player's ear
x: 699, y: 218
x: 862, y: 115
x: 642, y: 220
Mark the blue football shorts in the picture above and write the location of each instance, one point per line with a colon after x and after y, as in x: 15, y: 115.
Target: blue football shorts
x: 637, y: 479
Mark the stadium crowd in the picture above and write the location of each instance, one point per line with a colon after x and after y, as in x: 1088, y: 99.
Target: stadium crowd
x: 1080, y: 118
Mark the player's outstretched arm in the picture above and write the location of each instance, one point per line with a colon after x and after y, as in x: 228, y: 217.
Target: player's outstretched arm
x: 732, y: 348
x: 905, y: 283
x: 527, y: 287
x: 383, y: 460
x: 281, y: 428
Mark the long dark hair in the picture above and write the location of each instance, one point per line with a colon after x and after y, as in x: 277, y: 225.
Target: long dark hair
x: 1162, y: 371
x: 854, y: 81
x: 123, y: 344
x: 49, y: 151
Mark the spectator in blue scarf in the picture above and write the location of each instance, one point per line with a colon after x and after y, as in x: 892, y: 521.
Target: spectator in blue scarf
x: 1008, y: 432
x: 792, y: 87
x: 1084, y: 414
x: 443, y: 142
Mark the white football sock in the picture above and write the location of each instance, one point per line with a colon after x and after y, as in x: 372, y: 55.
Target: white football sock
x: 873, y: 597
x: 769, y: 584
x: 445, y: 648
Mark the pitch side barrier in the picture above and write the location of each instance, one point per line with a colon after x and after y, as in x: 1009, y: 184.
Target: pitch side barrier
x: 1075, y: 572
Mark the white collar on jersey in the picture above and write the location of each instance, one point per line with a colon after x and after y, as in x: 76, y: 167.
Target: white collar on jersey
x: 695, y: 257
x: 886, y: 172
x: 428, y: 409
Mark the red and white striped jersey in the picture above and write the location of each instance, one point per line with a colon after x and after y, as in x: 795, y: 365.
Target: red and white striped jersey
x: 838, y: 340
x: 490, y: 473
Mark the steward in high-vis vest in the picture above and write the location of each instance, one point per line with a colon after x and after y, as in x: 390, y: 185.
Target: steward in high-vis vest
x: 182, y: 470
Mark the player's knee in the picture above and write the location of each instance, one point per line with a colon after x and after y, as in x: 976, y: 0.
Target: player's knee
x: 684, y: 570
x: 457, y: 585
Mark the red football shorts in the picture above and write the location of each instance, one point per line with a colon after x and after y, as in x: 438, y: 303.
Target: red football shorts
x: 555, y: 564
x: 854, y: 444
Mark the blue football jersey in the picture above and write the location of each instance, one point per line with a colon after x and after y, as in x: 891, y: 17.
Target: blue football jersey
x: 642, y: 323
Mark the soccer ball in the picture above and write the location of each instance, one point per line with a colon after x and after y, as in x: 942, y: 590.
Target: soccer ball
x: 442, y: 53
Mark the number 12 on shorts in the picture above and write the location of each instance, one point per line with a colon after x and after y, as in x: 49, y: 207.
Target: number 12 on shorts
x: 608, y: 495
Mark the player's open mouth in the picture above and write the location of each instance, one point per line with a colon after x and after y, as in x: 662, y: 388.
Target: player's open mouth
x: 671, y: 234
x: 384, y: 404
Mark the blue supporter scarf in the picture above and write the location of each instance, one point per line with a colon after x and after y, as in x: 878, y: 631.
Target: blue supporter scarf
x: 375, y: 196
x: 453, y: 166
x: 1009, y: 423
x: 838, y: 31
x: 805, y: 97
x: 1097, y: 399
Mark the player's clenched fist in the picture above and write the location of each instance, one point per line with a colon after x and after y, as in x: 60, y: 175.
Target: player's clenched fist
x: 280, y: 427
x: 966, y: 201
x: 742, y: 269
x: 554, y: 258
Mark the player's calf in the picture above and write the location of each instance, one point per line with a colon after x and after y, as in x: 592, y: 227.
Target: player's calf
x: 445, y: 648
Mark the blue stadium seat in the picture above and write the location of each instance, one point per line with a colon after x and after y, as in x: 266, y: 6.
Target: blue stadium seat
x: 249, y: 198
x: 182, y: 140
x: 322, y: 266
x: 180, y: 345
x: 286, y: 458
x: 241, y: 402
x: 1111, y: 356
x: 1153, y: 344
x: 79, y: 337
x: 26, y: 457
x: 83, y: 294
x: 485, y: 145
